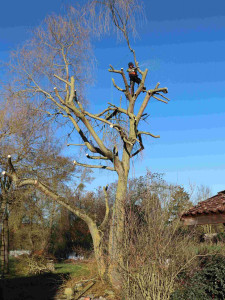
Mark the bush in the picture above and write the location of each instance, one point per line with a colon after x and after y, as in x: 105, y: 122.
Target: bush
x: 155, y: 251
x: 207, y: 283
x: 33, y: 265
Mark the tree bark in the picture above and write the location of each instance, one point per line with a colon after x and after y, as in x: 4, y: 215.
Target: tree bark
x: 118, y: 222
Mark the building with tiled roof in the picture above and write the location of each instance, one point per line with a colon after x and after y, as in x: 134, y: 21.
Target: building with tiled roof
x: 210, y: 211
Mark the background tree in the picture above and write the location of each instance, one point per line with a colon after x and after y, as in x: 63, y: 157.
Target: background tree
x: 36, y: 153
x: 180, y: 201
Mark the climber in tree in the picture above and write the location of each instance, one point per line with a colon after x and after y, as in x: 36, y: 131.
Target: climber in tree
x: 133, y: 77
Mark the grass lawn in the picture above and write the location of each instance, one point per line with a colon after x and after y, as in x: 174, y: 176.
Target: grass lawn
x: 77, y: 269
x: 46, y: 286
x: 16, y: 285
x: 74, y: 269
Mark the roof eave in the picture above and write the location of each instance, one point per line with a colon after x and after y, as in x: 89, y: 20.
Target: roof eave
x: 203, y: 219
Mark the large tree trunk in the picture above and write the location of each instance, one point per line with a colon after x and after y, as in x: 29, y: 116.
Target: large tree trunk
x: 117, y: 229
x: 98, y: 249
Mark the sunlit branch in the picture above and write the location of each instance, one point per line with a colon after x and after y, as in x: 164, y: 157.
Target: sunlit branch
x: 61, y: 79
x: 117, y: 87
x: 114, y: 71
x: 46, y: 190
x: 126, y: 91
x: 104, y: 111
x: 58, y: 96
x: 159, y: 99
x: 72, y: 90
x: 105, y: 220
x: 149, y: 94
x: 163, y: 96
x: 122, y: 110
x: 93, y: 166
x: 140, y: 88
x: 148, y: 133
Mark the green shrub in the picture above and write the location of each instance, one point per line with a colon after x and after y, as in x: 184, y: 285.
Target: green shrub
x: 207, y: 283
x: 221, y: 237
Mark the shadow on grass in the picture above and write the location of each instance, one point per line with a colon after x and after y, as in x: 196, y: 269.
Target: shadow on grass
x: 40, y: 287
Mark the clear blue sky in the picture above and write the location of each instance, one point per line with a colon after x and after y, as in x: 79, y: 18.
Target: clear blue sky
x: 183, y: 45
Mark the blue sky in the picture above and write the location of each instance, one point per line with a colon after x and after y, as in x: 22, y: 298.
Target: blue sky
x: 183, y: 45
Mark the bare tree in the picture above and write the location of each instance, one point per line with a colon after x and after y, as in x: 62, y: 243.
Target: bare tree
x: 51, y: 67
x: 32, y: 150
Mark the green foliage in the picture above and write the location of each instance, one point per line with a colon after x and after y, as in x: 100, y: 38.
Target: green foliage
x: 179, y: 202
x: 207, y: 283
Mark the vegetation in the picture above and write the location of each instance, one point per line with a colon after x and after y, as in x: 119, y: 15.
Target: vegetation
x: 207, y: 282
x: 50, y: 70
x: 132, y: 226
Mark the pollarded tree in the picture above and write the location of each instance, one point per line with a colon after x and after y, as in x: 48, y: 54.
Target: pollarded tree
x: 53, y: 66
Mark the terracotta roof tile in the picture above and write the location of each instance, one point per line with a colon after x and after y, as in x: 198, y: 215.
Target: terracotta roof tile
x: 215, y: 204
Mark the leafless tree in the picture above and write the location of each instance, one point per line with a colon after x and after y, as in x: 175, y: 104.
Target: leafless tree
x: 20, y: 136
x: 52, y: 68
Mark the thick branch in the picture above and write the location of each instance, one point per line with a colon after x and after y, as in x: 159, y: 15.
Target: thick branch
x: 84, y: 138
x: 117, y: 87
x: 114, y: 71
x: 63, y: 80
x: 93, y: 166
x: 141, y: 86
x: 122, y: 110
x: 11, y: 167
x: 163, y: 96
x: 72, y: 90
x: 159, y: 99
x: 149, y: 94
x: 104, y: 222
x: 58, y: 96
x: 103, y: 150
x: 126, y: 91
x: 141, y: 147
x: 116, y: 126
x: 104, y: 111
x: 53, y: 195
x: 148, y: 133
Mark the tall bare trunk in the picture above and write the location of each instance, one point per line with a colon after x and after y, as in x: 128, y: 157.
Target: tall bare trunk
x: 116, y: 232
